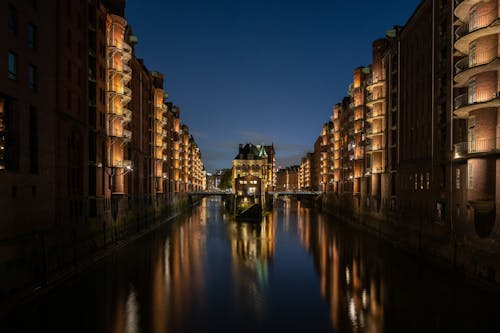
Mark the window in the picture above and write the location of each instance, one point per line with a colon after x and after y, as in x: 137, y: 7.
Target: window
x: 12, y: 19
x: 32, y: 36
x: 473, y: 20
x: 428, y: 180
x: 33, y: 140
x: 32, y: 77
x: 472, y: 98
x: 457, y: 179
x: 472, y: 55
x: 12, y: 74
x: 470, y: 183
x: 9, y: 135
x: 3, y: 134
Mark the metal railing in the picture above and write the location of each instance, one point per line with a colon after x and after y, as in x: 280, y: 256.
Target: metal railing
x: 484, y: 20
x: 479, y: 97
x: 482, y: 145
x: 476, y: 23
x: 374, y: 131
x: 372, y: 114
x: 481, y: 58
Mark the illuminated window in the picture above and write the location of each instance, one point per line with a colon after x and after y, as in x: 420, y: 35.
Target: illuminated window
x: 12, y: 74
x: 428, y: 180
x: 457, y: 179
x: 421, y: 181
x: 416, y: 181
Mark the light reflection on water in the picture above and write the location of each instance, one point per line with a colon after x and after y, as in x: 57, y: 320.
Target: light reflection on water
x: 297, y: 271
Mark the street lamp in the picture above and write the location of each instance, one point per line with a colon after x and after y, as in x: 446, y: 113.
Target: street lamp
x: 120, y: 169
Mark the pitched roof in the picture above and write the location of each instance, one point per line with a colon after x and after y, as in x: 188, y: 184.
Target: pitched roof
x: 251, y: 152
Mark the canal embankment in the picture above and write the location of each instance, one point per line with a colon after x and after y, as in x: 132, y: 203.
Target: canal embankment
x: 52, y: 257
x: 427, y: 240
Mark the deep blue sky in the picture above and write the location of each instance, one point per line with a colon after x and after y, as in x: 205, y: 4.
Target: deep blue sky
x: 261, y: 71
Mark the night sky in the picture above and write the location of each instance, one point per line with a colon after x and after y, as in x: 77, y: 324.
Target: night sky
x: 261, y: 71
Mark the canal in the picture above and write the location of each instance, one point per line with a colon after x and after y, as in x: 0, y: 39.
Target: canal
x: 297, y: 271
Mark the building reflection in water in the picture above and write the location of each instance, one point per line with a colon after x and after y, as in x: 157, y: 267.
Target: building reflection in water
x: 350, y: 278
x: 171, y: 278
x: 252, y: 253
x: 132, y: 325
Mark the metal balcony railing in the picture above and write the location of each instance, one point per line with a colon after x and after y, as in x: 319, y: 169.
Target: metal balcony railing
x: 479, y: 97
x: 371, y: 114
x: 127, y: 164
x: 374, y: 131
x: 482, y: 145
x: 462, y: 31
x: 477, y: 22
x: 481, y: 21
x: 127, y: 115
x: 127, y: 135
x: 481, y: 58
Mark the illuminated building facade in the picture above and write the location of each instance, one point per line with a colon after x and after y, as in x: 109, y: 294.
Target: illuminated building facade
x: 86, y: 134
x: 306, y: 175
x: 253, y: 160
x: 287, y: 179
x: 475, y: 175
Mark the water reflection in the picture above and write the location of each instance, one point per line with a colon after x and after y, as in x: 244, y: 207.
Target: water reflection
x: 252, y: 252
x: 373, y: 287
x: 297, y: 271
x: 349, y: 278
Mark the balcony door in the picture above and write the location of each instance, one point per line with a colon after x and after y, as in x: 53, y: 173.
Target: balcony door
x: 472, y: 92
x: 472, y: 56
x: 473, y: 20
x: 471, y: 133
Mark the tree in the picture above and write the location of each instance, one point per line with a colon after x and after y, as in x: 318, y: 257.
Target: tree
x: 226, y: 180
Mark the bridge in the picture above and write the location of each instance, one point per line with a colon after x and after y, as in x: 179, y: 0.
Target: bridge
x: 309, y: 198
x: 275, y: 194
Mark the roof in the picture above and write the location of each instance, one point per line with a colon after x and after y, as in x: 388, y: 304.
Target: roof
x: 251, y: 152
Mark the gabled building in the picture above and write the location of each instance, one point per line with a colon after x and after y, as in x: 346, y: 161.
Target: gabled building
x: 253, y: 160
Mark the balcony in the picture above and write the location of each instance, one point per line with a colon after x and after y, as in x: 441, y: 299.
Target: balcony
x: 477, y: 147
x: 372, y: 100
x: 127, y: 51
x: 125, y: 164
x: 125, y: 94
x: 462, y: 8
x: 374, y: 148
x: 468, y: 67
x: 374, y: 131
x: 371, y: 115
x: 127, y: 135
x: 126, y: 116
x: 466, y: 103
x: 372, y: 83
x: 483, y: 25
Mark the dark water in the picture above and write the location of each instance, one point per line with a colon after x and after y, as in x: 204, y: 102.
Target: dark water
x: 298, y: 271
